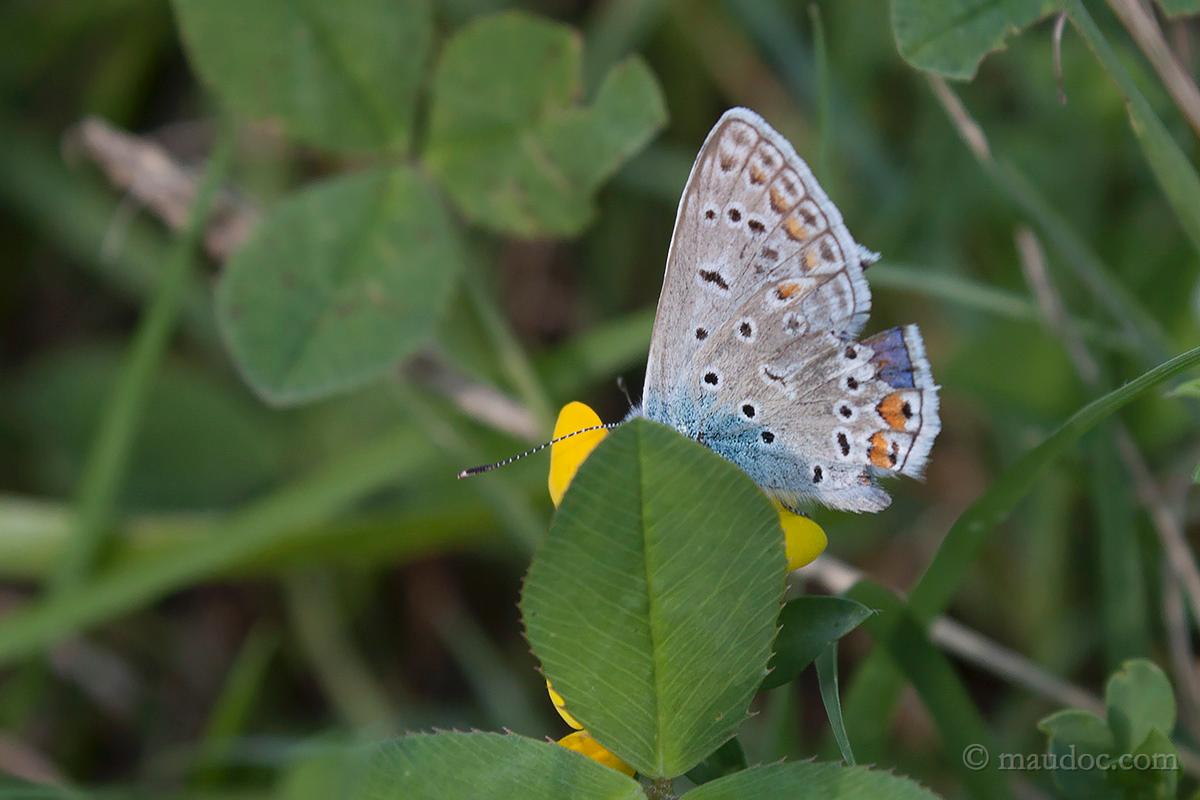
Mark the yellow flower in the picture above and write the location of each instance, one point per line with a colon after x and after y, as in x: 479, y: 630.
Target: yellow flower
x: 566, y: 456
x: 582, y: 742
x: 560, y: 706
x: 804, y: 539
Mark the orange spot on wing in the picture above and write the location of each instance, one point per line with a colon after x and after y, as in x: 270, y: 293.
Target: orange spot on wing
x: 881, y: 455
x: 810, y: 261
x: 795, y: 230
x: 785, y: 290
x: 891, y: 408
x: 757, y: 176
x: 777, y: 202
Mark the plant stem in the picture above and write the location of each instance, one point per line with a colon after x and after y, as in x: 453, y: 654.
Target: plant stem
x: 661, y: 789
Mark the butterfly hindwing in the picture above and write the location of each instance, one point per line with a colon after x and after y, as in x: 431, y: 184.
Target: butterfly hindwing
x: 754, y: 350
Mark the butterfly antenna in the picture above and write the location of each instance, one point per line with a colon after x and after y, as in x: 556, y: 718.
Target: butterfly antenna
x: 466, y: 473
x: 624, y: 389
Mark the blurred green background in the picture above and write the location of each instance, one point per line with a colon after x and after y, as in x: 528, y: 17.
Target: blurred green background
x: 270, y: 582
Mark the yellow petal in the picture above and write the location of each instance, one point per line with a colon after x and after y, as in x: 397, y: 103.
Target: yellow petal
x: 567, y: 455
x: 804, y: 539
x: 560, y: 706
x: 582, y: 742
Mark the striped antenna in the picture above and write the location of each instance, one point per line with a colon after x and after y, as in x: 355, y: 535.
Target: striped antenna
x: 466, y: 473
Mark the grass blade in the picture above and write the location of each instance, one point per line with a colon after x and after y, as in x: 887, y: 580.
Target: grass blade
x: 110, y: 451
x: 876, y: 687
x: 234, y: 539
x: 1172, y: 169
x: 935, y: 588
x: 902, y: 636
x: 827, y: 678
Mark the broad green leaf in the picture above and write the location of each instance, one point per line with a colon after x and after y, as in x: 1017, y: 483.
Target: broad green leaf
x: 1139, y: 700
x: 827, y: 679
x: 482, y: 766
x: 951, y: 37
x: 653, y: 601
x: 807, y: 625
x: 725, y: 760
x: 327, y: 769
x: 506, y: 138
x: 811, y: 781
x: 1155, y: 766
x: 334, y: 76
x: 1077, y: 741
x: 338, y: 284
x: 1177, y: 8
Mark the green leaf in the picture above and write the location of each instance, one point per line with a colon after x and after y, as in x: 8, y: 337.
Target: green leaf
x: 331, y: 76
x: 1076, y: 741
x: 811, y: 781
x: 725, y: 760
x: 338, y: 284
x: 807, y: 625
x: 506, y: 139
x: 1177, y: 8
x: 827, y: 678
x: 1161, y: 773
x: 1189, y: 389
x: 326, y: 768
x: 479, y: 766
x: 1139, y: 700
x: 951, y: 37
x: 653, y: 601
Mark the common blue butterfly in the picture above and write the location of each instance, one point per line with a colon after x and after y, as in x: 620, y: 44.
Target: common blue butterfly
x: 755, y: 350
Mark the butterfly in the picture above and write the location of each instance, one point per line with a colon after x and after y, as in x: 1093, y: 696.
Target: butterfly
x: 755, y: 350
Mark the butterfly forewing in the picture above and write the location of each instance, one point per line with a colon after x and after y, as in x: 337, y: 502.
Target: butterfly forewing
x: 754, y: 350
